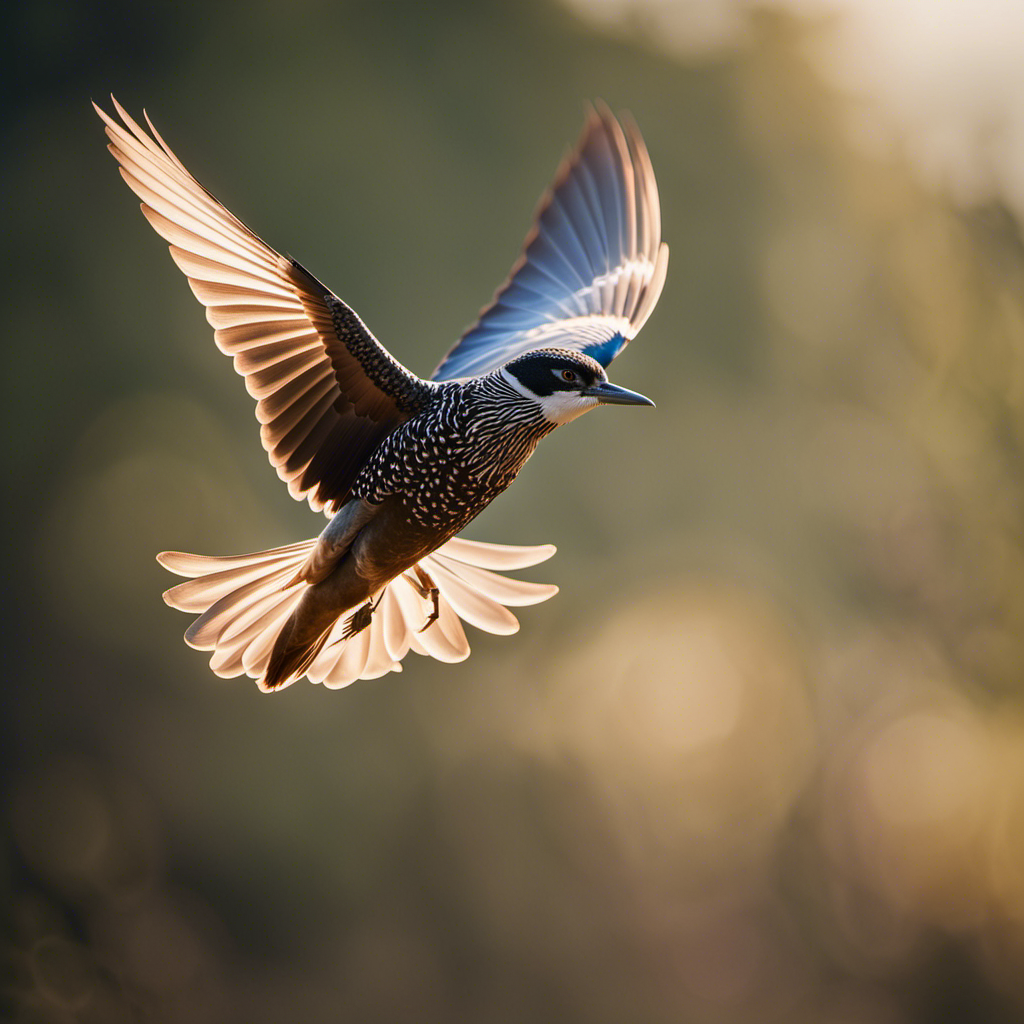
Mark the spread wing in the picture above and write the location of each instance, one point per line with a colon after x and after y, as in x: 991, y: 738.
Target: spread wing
x: 327, y: 391
x: 593, y: 264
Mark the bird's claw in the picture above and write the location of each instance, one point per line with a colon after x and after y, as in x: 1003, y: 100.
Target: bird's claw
x: 435, y: 613
x: 428, y: 588
x: 359, y: 620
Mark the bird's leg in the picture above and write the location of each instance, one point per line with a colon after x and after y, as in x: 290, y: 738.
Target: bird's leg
x: 428, y: 588
x: 359, y: 620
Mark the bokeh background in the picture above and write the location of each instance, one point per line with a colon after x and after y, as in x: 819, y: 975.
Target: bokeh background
x: 763, y: 757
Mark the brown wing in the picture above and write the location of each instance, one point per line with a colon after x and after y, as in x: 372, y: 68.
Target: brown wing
x: 327, y: 391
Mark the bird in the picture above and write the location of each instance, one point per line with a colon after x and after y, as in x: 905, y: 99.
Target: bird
x: 399, y: 464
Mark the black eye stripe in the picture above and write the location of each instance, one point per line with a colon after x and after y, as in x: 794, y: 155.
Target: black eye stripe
x: 543, y: 372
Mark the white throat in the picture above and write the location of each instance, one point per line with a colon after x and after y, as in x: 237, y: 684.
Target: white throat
x: 565, y: 406
x: 559, y: 407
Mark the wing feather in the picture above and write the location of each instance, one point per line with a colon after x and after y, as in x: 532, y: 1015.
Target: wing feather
x: 317, y: 372
x: 593, y: 264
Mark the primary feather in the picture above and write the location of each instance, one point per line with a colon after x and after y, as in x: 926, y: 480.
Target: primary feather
x: 592, y: 266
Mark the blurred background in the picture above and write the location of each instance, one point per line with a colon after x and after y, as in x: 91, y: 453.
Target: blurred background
x: 763, y: 757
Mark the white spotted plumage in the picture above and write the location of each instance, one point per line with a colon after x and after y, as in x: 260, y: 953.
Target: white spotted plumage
x: 452, y: 459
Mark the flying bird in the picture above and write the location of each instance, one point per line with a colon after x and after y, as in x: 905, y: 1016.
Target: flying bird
x: 399, y: 463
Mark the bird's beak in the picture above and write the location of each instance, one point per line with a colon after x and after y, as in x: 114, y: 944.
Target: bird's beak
x: 611, y: 394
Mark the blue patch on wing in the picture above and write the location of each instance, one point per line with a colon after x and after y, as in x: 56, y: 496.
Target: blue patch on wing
x: 606, y: 351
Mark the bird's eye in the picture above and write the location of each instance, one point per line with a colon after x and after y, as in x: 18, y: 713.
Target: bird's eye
x: 570, y: 376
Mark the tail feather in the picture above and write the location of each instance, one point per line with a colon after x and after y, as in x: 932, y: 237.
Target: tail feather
x: 494, y: 556
x: 198, y: 595
x: 342, y: 662
x: 288, y: 662
x: 216, y: 622
x: 472, y: 604
x: 182, y: 563
x: 500, y: 589
x: 249, y: 645
x: 256, y: 656
x: 394, y: 635
x: 379, y: 661
x: 245, y: 601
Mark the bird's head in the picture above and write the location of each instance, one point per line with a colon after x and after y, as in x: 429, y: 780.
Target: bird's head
x: 565, y: 384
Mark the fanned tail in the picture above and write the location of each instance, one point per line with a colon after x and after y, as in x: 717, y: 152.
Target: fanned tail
x: 245, y: 600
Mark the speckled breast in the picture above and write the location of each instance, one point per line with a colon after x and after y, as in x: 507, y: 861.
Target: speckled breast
x: 450, y: 461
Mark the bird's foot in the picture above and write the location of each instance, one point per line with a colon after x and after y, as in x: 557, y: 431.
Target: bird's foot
x: 428, y: 588
x: 357, y: 622
x: 435, y: 613
x: 359, y: 619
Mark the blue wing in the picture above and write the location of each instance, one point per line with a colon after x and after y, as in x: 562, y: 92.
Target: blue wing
x: 592, y: 266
